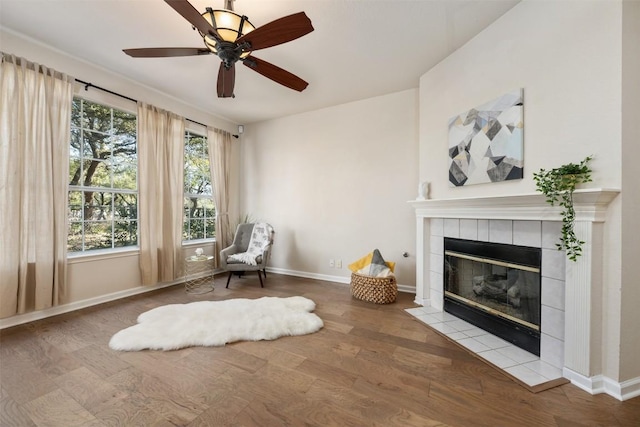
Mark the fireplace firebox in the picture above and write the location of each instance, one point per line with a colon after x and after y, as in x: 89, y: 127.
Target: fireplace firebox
x: 495, y: 287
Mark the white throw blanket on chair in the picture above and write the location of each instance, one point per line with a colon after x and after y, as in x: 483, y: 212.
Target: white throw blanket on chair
x: 260, y: 240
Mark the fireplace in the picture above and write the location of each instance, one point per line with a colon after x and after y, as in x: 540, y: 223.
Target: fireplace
x: 571, y: 304
x: 496, y: 287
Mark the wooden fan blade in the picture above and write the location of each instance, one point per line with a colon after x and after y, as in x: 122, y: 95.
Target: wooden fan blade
x: 226, y: 80
x: 277, y: 32
x: 191, y: 14
x: 163, y: 52
x: 275, y: 73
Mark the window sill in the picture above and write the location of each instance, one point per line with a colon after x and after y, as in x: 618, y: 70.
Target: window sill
x: 206, y: 242
x: 100, y: 254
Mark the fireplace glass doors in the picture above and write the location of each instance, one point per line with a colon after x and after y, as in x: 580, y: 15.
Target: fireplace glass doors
x: 495, y: 287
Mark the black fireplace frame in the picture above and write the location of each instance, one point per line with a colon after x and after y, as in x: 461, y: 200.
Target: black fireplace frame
x: 513, y: 332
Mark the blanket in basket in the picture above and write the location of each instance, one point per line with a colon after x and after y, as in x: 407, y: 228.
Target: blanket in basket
x: 373, y: 264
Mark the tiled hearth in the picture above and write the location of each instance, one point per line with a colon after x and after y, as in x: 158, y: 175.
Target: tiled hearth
x: 520, y: 364
x: 570, y: 308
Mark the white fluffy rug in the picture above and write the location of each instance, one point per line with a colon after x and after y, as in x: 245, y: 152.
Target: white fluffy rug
x: 215, y: 323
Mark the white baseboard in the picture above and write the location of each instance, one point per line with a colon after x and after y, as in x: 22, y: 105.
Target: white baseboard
x: 628, y: 389
x: 307, y: 275
x: 406, y: 289
x: 600, y: 384
x: 329, y: 278
x: 66, y: 308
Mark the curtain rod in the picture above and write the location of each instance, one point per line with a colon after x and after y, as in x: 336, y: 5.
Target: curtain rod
x: 87, y: 85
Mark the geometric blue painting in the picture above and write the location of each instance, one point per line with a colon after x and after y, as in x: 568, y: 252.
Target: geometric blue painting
x: 486, y: 142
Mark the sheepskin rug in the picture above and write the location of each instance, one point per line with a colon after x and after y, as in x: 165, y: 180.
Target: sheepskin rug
x: 215, y: 323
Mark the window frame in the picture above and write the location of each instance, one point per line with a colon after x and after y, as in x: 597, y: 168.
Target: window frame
x: 127, y: 107
x: 193, y: 129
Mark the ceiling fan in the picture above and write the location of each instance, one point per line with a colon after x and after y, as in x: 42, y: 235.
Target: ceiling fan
x: 233, y: 38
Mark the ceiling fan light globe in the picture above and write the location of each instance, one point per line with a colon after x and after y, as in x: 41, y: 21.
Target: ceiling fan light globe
x: 210, y: 43
x: 230, y: 25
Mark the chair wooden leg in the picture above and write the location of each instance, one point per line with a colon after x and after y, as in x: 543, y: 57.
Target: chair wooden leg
x: 229, y: 278
x: 264, y: 270
x: 260, y: 277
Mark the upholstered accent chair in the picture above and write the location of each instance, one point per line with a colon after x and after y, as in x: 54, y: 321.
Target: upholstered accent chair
x: 241, y: 244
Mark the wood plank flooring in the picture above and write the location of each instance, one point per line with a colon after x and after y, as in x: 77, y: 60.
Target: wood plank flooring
x: 370, y: 365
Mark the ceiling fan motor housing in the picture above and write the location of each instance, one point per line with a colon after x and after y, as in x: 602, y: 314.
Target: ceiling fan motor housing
x: 229, y: 52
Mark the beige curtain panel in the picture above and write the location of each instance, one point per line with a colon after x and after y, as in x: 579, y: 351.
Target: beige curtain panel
x: 160, y: 164
x: 35, y: 122
x: 220, y: 165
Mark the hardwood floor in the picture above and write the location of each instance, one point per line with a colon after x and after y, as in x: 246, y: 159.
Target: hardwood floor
x: 369, y: 365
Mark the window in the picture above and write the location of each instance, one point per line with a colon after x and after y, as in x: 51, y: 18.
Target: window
x: 103, y: 189
x: 199, y: 210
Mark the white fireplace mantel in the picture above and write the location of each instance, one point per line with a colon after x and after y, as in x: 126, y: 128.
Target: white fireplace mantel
x: 590, y: 205
x: 583, y: 278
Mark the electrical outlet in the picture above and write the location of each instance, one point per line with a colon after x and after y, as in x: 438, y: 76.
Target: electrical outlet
x: 332, y: 263
x: 338, y: 263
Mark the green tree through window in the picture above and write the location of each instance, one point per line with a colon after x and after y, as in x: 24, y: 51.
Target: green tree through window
x: 199, y: 211
x: 103, y: 189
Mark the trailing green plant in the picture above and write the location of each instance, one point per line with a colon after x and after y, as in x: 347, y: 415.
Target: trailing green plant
x: 558, y: 186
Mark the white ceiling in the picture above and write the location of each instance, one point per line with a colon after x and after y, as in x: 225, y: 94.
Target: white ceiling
x: 359, y: 49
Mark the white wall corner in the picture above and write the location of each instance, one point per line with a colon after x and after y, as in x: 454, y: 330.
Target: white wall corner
x: 600, y: 384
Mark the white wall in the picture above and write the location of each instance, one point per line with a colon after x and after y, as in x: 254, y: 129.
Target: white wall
x: 334, y: 184
x: 567, y: 56
x: 630, y: 332
x: 95, y: 277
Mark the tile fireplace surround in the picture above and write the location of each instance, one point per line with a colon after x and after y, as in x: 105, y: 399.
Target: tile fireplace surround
x: 570, y: 334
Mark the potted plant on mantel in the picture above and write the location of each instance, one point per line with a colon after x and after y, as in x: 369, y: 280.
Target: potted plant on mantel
x: 558, y: 186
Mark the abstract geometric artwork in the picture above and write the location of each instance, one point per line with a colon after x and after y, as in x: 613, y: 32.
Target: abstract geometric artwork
x: 485, y: 143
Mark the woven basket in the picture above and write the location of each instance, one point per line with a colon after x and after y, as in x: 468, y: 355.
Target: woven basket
x: 379, y: 290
